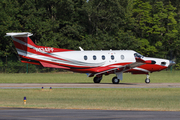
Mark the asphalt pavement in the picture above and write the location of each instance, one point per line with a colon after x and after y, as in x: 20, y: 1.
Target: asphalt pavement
x: 72, y: 114
x: 88, y: 85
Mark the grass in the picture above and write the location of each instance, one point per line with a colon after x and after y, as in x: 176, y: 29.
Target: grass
x: 157, y: 77
x: 165, y: 99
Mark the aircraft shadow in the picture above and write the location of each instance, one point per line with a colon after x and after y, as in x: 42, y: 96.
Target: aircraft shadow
x: 102, y: 83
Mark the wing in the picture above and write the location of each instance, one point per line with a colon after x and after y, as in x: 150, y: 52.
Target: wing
x: 119, y: 70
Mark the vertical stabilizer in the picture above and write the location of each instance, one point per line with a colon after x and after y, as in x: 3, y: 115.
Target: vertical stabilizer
x: 32, y: 53
x: 22, y: 42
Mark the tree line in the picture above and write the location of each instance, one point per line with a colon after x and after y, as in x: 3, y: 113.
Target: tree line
x: 150, y: 27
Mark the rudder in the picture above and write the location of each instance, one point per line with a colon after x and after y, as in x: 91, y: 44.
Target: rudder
x: 22, y: 42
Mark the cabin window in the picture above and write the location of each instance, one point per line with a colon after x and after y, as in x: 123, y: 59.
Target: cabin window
x: 103, y: 57
x: 94, y: 57
x: 112, y: 57
x: 85, y: 57
x: 122, y: 57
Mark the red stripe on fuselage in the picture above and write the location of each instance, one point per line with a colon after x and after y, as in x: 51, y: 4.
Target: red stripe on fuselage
x: 82, y: 69
x: 61, y: 64
x: 100, y: 68
x: 147, y: 67
x: 25, y: 48
x: 152, y: 67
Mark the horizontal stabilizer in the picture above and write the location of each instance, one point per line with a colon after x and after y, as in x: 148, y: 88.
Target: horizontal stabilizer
x: 35, y: 63
x: 22, y: 34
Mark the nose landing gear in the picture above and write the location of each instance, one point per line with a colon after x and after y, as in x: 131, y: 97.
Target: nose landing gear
x: 147, y: 80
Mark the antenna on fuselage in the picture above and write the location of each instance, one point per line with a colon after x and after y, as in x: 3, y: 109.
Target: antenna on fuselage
x: 81, y: 49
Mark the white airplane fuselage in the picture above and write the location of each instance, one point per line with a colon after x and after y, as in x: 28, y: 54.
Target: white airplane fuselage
x: 94, y: 63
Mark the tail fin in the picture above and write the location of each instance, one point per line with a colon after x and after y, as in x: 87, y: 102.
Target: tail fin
x: 30, y: 52
x: 24, y: 45
x: 22, y: 42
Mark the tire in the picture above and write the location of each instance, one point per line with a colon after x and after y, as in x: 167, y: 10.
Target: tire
x: 147, y: 80
x: 115, y: 80
x: 97, y: 79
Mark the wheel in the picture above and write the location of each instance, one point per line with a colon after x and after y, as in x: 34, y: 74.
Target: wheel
x: 97, y: 79
x: 115, y: 80
x: 147, y: 80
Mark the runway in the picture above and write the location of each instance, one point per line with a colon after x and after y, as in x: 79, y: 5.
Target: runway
x: 70, y: 114
x: 90, y: 85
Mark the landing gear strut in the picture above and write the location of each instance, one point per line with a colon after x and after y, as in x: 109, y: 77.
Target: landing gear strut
x: 147, y: 80
x: 97, y: 79
x: 115, y: 80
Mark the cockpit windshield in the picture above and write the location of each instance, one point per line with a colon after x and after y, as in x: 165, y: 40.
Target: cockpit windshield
x: 138, y: 55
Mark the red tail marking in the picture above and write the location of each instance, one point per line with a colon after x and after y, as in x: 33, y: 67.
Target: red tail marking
x: 38, y: 48
x: 26, y: 40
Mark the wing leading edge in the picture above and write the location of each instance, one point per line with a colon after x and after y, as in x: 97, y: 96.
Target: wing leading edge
x: 119, y: 70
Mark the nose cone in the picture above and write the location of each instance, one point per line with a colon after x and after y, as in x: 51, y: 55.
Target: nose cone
x: 171, y: 63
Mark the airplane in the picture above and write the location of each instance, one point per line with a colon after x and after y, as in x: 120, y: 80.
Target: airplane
x: 94, y: 63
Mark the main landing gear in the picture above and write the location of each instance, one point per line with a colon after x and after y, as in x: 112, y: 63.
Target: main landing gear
x: 115, y: 80
x: 97, y: 79
x: 147, y: 80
